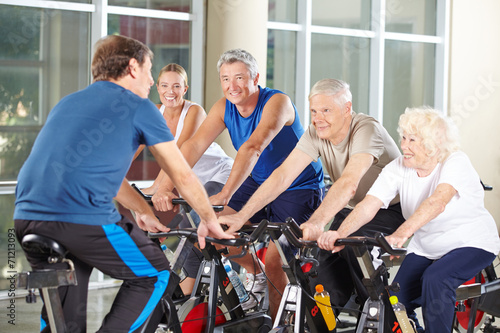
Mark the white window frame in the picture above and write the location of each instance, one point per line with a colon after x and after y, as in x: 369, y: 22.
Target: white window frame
x: 99, y: 10
x: 378, y: 36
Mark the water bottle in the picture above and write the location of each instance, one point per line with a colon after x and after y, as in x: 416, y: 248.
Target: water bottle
x: 237, y: 284
x: 401, y: 315
x: 322, y: 298
x: 170, y: 256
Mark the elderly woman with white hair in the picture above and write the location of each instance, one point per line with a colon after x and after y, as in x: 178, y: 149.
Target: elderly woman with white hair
x: 442, y: 200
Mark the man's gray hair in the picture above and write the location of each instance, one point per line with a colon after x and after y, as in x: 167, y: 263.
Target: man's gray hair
x: 235, y: 55
x: 332, y: 87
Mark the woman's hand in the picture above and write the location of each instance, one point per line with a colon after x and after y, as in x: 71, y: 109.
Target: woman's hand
x: 148, y: 190
x: 162, y: 201
x: 396, y: 240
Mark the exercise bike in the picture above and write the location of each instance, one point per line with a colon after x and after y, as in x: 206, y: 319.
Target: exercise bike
x: 48, y: 280
x: 213, y: 292
x: 377, y: 314
x: 478, y: 303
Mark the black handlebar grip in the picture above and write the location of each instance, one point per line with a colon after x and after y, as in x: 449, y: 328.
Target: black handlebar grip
x: 180, y: 201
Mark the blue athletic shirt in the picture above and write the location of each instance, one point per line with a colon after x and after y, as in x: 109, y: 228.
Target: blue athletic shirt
x: 83, y: 153
x: 240, y: 129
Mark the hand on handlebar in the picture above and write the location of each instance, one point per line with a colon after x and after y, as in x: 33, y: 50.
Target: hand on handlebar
x: 162, y: 201
x: 327, y: 241
x: 311, y: 231
x: 233, y: 222
x: 396, y: 240
x: 149, y: 222
x: 148, y: 190
x: 212, y: 229
x: 218, y: 199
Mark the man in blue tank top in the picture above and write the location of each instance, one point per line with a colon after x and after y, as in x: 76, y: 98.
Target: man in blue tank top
x: 264, y: 127
x: 77, y: 166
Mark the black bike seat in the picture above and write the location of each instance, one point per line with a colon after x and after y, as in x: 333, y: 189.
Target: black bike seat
x: 38, y: 244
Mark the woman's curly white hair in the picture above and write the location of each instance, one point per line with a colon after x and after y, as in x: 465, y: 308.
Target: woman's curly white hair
x: 438, y: 133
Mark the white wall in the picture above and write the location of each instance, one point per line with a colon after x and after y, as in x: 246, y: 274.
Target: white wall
x: 474, y: 98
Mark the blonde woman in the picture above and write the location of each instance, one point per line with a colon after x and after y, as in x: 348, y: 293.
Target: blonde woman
x: 183, y: 118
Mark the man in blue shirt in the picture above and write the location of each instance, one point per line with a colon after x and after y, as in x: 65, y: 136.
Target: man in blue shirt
x: 77, y: 166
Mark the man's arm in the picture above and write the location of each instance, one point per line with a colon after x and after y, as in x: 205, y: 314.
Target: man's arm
x: 277, y: 113
x: 173, y: 163
x: 277, y: 182
x: 338, y: 196
x: 144, y: 216
x: 361, y: 215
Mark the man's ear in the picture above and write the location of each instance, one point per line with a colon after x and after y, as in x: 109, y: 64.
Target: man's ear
x: 256, y: 80
x: 347, y: 108
x: 133, y: 67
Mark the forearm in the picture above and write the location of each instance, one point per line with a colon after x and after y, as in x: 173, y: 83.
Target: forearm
x: 426, y: 212
x: 276, y: 184
x: 194, y: 193
x: 362, y: 214
x: 242, y: 167
x: 191, y: 155
x: 337, y: 197
x: 130, y: 199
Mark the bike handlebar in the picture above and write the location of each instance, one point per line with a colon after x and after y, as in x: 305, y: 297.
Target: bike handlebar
x: 190, y: 234
x: 292, y: 232
x: 175, y: 201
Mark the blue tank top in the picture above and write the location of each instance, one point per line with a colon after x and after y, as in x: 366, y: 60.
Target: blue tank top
x: 240, y: 129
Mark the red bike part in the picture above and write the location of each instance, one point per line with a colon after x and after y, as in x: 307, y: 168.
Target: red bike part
x: 196, y: 320
x: 463, y: 317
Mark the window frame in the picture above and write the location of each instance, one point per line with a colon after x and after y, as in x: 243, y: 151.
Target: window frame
x: 378, y: 36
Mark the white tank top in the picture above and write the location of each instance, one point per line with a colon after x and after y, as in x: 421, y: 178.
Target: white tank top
x: 214, y: 164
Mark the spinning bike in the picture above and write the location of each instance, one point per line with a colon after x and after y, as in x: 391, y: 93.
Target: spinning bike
x: 478, y: 300
x: 48, y: 280
x: 377, y: 314
x: 478, y: 303
x: 213, y: 291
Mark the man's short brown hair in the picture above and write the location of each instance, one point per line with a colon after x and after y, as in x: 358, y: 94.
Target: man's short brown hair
x: 112, y: 56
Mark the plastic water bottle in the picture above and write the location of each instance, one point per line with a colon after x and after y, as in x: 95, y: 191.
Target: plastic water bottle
x: 322, y: 298
x: 170, y: 256
x: 401, y: 315
x: 168, y: 253
x: 237, y: 284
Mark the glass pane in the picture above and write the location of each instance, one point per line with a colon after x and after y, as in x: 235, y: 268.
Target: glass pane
x: 409, y: 80
x: 413, y: 17
x: 283, y: 11
x: 47, y: 58
x: 281, y: 46
x: 21, y: 33
x: 183, y: 6
x: 344, y: 58
x: 12, y: 256
x: 353, y: 14
x: 167, y: 47
x: 19, y: 96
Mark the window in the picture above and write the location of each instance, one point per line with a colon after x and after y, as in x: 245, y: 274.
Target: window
x: 45, y: 54
x: 393, y: 53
